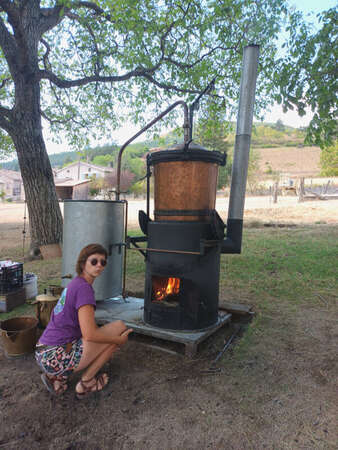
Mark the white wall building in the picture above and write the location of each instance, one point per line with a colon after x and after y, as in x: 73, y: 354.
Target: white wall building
x: 81, y: 170
x: 11, y: 185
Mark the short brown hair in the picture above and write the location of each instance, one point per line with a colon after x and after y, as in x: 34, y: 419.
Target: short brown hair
x: 86, y: 252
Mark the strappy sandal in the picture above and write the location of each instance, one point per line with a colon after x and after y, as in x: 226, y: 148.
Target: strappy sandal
x: 49, y: 382
x: 98, y: 386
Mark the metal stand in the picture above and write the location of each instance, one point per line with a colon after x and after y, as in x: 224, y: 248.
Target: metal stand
x: 132, y: 315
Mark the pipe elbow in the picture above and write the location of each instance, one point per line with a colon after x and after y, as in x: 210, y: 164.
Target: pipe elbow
x: 233, y: 242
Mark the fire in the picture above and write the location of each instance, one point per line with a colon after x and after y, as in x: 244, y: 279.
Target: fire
x: 171, y: 288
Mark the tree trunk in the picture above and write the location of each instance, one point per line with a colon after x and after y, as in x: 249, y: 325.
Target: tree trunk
x: 45, y: 219
x: 23, y: 121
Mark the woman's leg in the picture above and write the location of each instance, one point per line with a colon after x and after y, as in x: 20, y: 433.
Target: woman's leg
x: 95, y: 355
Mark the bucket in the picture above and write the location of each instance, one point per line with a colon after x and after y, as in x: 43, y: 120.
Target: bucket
x: 30, y: 283
x: 45, y: 304
x: 18, y: 335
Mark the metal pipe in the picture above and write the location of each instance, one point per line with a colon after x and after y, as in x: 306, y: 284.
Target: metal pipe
x: 148, y: 187
x: 124, y: 293
x: 150, y: 124
x: 233, y: 241
x: 159, y: 250
x: 195, y: 103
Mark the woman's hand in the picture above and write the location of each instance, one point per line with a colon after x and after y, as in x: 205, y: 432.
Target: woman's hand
x: 124, y: 337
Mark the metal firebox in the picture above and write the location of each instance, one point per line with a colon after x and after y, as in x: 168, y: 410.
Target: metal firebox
x: 185, y: 236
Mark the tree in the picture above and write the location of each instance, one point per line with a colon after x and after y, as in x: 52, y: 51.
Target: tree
x: 329, y: 160
x: 78, y: 64
x: 307, y: 76
x: 212, y: 132
x: 103, y: 160
x: 279, y: 125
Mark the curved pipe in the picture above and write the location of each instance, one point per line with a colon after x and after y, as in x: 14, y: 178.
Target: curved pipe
x: 150, y: 124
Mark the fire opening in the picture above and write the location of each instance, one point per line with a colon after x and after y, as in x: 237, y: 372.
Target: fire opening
x: 165, y: 289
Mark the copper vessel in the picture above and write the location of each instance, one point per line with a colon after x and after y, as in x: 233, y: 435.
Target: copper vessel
x: 185, y: 183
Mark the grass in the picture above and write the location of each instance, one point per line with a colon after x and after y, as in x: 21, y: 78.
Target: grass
x: 290, y: 265
x: 279, y: 269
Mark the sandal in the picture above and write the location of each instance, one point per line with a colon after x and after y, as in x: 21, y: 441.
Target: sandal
x: 49, y: 382
x: 100, y: 383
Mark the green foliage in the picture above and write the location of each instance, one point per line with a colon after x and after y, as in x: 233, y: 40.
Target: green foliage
x: 103, y: 160
x: 307, y: 75
x: 329, y: 160
x: 107, y: 56
x: 211, y: 132
x: 6, y: 145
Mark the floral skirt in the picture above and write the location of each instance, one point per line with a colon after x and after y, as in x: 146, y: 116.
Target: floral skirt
x: 56, y: 360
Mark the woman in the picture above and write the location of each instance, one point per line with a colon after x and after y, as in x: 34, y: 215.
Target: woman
x: 72, y: 341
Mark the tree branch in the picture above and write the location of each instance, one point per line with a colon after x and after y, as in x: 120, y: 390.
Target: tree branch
x: 94, y: 7
x: 59, y: 82
x: 50, y: 17
x: 9, y: 47
x: 5, y: 119
x: 6, y: 6
x: 190, y: 66
x: 46, y: 63
x: 4, y: 82
x: 92, y: 34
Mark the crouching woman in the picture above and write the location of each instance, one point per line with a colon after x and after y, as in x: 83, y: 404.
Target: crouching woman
x: 72, y: 341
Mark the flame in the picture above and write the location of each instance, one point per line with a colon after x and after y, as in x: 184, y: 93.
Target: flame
x: 172, y: 287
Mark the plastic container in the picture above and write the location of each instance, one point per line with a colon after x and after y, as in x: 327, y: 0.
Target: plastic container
x: 11, y: 277
x: 18, y: 335
x: 30, y: 283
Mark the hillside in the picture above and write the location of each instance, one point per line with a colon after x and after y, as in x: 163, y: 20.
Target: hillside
x: 264, y: 135
x: 296, y: 161
x: 278, y: 148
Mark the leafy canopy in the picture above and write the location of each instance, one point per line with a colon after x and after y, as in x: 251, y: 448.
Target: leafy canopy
x: 307, y: 75
x: 100, y: 59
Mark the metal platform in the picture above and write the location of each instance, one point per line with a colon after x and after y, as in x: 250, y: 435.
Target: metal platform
x: 131, y: 312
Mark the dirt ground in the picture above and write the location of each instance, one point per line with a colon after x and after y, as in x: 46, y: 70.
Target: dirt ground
x: 278, y: 393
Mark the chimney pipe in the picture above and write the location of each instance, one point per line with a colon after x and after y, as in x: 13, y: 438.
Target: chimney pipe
x: 233, y: 241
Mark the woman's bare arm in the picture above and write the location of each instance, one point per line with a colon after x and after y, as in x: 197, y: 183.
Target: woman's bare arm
x: 91, y: 332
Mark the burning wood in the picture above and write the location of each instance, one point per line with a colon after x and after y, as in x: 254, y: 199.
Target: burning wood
x: 171, y: 286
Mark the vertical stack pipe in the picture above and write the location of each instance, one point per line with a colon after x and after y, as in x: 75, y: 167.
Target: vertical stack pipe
x: 233, y: 241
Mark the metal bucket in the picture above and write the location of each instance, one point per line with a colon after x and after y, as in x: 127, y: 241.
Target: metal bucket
x: 94, y: 221
x: 18, y: 335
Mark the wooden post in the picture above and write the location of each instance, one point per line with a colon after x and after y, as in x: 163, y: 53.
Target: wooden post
x: 275, y: 191
x: 301, y: 190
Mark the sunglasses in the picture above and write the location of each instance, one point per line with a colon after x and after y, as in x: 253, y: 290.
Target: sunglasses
x: 94, y: 261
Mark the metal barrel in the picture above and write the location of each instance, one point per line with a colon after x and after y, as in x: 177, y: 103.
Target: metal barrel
x: 94, y: 221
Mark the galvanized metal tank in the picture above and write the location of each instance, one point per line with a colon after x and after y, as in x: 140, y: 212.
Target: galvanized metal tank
x: 94, y: 221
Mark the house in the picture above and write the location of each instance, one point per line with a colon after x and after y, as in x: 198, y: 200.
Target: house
x: 68, y: 189
x: 11, y: 186
x: 81, y: 170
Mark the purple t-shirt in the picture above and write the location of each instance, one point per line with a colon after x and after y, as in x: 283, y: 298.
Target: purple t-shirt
x: 64, y: 326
